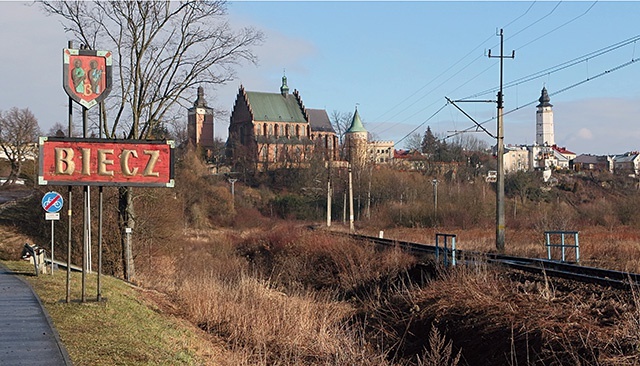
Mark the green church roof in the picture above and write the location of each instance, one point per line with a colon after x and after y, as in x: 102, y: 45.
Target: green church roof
x: 275, y: 107
x: 356, y: 124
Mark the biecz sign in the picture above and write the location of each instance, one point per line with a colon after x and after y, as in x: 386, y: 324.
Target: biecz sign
x: 65, y: 161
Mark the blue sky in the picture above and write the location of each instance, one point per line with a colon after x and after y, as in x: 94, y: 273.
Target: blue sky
x: 398, y: 61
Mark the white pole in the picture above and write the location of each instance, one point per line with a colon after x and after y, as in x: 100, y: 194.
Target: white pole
x: 328, y: 203
x: 351, y: 226
x: 52, y: 247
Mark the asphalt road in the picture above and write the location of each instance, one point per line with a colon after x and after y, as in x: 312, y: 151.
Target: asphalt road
x: 27, y: 336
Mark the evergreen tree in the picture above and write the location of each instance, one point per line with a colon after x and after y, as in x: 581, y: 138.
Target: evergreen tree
x: 430, y: 143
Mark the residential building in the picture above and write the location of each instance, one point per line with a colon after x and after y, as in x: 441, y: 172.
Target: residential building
x: 381, y: 152
x: 628, y: 163
x: 602, y: 163
x: 516, y: 158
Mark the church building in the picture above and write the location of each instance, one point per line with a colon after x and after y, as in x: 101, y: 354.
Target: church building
x: 275, y: 130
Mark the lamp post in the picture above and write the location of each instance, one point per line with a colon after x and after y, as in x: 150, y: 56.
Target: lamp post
x: 233, y: 192
x: 435, y: 197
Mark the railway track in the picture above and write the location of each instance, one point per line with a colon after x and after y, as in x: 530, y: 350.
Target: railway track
x: 550, y: 268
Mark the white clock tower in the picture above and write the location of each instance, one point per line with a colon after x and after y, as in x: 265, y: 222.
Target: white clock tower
x: 544, y: 121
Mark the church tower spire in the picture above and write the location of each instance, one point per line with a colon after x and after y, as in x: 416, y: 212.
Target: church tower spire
x: 284, y: 89
x: 544, y: 120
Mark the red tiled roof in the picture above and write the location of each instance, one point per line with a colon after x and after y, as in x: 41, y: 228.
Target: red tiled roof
x: 562, y: 150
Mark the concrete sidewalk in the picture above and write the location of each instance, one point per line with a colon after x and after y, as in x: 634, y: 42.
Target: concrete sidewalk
x: 27, y: 336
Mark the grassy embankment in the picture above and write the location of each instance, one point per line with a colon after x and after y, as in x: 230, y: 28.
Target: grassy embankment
x: 126, y: 329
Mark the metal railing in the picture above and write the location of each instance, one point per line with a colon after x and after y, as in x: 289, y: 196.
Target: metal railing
x: 449, y: 255
x: 563, y: 245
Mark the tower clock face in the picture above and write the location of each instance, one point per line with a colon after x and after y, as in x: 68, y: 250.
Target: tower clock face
x: 200, y: 111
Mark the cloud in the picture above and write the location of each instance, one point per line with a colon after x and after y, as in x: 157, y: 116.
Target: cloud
x: 279, y: 53
x: 598, y: 125
x: 585, y: 134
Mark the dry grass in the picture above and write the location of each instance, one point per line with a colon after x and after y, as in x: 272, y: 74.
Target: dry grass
x: 273, y: 297
x: 530, y: 321
x: 265, y: 326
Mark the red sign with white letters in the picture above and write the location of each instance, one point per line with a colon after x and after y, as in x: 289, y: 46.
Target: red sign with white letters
x: 65, y: 161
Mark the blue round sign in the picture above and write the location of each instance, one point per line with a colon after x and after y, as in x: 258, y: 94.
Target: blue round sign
x: 52, y: 202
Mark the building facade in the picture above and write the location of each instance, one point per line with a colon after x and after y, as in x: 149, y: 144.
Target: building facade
x: 544, y: 154
x: 275, y: 130
x: 544, y: 121
x: 356, y: 141
x: 200, y: 124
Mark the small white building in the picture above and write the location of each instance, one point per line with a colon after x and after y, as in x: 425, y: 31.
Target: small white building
x: 381, y: 152
x: 516, y: 158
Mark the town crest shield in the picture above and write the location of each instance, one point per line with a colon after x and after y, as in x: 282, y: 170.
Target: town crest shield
x: 87, y: 75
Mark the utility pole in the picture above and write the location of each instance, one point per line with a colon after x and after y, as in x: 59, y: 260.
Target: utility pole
x: 329, y: 193
x: 351, y: 225
x: 435, y: 198
x: 500, y: 222
x: 233, y: 192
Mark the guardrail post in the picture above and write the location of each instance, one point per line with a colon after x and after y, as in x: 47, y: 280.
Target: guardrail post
x: 453, y: 251
x: 575, y: 236
x: 445, y: 249
x: 563, y: 244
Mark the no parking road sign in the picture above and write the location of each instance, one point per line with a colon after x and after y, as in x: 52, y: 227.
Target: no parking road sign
x: 52, y: 202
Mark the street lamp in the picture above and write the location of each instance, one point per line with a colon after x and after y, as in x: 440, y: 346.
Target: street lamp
x: 233, y: 192
x: 435, y: 197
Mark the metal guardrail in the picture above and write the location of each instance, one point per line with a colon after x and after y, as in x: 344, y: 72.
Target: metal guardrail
x: 563, y: 245
x: 552, y: 268
x: 447, y: 254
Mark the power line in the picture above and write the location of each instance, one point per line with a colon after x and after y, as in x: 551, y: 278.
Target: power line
x: 473, y: 61
x: 606, y: 72
x: 447, y: 70
x: 423, y: 123
x: 560, y: 67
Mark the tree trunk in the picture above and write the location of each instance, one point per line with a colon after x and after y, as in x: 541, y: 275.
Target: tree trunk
x: 126, y: 220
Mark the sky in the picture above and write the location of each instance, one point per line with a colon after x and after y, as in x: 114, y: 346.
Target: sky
x: 397, y: 62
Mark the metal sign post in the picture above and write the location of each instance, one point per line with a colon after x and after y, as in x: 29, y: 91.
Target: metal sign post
x: 52, y: 203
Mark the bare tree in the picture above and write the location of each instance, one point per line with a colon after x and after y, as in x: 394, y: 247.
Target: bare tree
x: 414, y: 142
x: 161, y: 50
x: 19, y: 132
x: 341, y: 121
x: 58, y: 129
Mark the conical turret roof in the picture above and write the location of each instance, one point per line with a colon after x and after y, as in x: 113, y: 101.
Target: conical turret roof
x: 356, y: 124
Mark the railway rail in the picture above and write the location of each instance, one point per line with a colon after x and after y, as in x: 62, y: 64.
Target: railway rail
x: 550, y: 268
